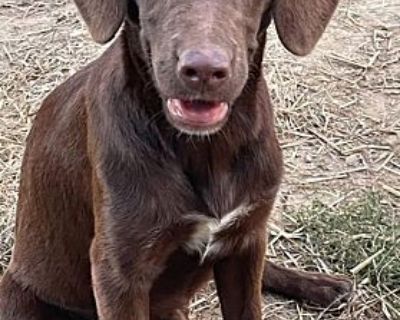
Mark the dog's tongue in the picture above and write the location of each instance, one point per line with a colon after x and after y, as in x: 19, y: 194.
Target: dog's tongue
x: 200, y: 113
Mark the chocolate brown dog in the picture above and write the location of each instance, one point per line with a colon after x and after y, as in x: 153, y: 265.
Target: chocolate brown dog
x: 158, y: 165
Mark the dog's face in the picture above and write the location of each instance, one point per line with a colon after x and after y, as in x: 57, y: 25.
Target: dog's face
x: 200, y: 55
x: 200, y: 51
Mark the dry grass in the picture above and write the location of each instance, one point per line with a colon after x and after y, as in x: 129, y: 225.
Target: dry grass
x: 362, y: 239
x: 338, y: 117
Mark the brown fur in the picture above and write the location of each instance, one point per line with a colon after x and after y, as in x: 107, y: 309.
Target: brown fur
x: 112, y: 192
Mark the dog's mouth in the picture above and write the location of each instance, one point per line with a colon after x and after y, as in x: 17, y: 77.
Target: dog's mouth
x: 197, y: 115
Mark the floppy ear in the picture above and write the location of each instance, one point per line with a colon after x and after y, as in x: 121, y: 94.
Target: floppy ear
x: 300, y: 23
x: 103, y: 17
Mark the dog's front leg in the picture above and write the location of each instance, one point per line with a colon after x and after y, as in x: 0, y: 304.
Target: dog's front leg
x: 117, y: 296
x: 128, y: 252
x: 238, y: 280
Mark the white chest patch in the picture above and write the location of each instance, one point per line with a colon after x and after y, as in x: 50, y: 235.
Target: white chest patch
x: 204, y: 239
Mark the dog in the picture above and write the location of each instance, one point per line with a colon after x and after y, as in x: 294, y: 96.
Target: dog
x: 156, y: 167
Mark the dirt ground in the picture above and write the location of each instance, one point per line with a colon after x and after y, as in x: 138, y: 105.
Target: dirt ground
x: 338, y: 118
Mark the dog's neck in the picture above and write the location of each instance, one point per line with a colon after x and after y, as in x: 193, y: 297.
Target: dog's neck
x: 225, y: 167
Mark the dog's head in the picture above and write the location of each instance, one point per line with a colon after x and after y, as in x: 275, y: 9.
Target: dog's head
x: 200, y: 50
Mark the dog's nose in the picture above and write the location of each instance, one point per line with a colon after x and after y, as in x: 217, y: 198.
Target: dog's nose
x: 207, y: 68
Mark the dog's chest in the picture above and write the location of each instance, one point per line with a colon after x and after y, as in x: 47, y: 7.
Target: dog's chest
x: 220, y: 189
x: 215, y: 238
x: 224, y: 184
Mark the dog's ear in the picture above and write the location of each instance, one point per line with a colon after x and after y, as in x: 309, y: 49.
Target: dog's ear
x: 300, y: 23
x: 103, y: 17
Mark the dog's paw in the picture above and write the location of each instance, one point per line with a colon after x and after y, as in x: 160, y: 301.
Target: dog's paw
x: 312, y: 287
x: 326, y: 290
